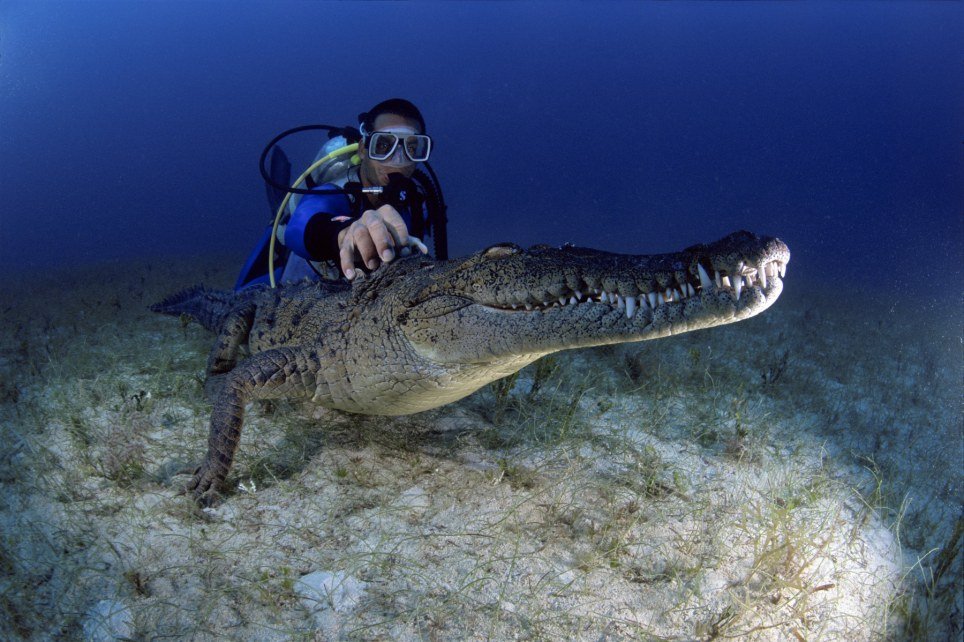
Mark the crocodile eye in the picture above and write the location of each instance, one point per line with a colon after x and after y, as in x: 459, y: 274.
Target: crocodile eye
x: 501, y: 250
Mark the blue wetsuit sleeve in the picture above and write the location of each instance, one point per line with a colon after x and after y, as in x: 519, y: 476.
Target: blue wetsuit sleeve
x: 312, y: 231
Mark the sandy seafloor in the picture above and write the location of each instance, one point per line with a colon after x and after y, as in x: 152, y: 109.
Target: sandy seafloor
x: 793, y: 477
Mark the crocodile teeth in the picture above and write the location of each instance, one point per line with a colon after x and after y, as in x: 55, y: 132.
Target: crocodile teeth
x: 717, y: 280
x: 604, y: 298
x: 620, y: 302
x: 762, y: 273
x: 528, y: 306
x: 573, y: 300
x: 705, y: 280
x: 630, y: 306
x: 782, y: 268
x: 659, y: 298
x: 737, y: 285
x: 562, y: 300
x: 578, y: 295
x: 690, y: 291
x: 652, y: 299
x: 726, y: 281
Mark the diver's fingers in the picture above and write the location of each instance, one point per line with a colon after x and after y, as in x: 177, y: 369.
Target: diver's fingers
x: 383, y: 239
x: 356, y: 243
x: 417, y: 243
x: 395, y: 224
x: 365, y: 246
x: 346, y: 256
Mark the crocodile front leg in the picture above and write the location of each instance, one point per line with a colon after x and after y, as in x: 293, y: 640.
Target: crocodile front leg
x: 289, y: 372
x: 234, y: 332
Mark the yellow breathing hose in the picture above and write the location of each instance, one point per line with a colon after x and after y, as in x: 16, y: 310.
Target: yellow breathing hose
x: 347, y: 149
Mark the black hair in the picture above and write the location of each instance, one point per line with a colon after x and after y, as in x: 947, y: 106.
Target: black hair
x: 398, y: 106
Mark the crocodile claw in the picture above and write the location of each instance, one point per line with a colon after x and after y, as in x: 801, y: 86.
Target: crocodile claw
x: 205, y: 485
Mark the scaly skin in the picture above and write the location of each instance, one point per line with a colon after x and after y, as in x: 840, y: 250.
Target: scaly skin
x: 418, y: 334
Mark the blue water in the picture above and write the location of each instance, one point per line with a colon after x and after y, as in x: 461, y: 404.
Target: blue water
x: 133, y: 129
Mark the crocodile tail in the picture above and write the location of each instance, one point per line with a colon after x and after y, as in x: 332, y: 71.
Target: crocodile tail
x: 207, y: 307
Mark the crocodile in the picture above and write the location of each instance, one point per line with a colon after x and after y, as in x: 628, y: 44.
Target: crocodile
x: 418, y: 333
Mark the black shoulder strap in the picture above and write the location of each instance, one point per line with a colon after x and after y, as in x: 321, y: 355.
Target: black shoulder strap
x: 353, y: 190
x: 435, y: 225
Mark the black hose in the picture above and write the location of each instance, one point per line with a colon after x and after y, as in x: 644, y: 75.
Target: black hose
x: 332, y: 131
x: 437, y: 218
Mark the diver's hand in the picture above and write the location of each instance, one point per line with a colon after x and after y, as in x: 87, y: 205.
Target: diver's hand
x: 375, y: 238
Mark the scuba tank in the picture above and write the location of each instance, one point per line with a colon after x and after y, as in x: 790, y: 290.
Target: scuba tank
x: 336, y: 167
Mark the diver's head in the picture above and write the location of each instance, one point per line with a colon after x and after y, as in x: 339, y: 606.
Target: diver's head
x: 393, y: 141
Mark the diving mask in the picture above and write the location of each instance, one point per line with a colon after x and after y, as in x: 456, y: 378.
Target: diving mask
x: 398, y: 146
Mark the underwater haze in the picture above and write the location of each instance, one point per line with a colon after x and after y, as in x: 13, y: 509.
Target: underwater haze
x: 792, y: 476
x: 134, y: 128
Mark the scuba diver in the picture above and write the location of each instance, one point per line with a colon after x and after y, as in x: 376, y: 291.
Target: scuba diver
x: 364, y: 201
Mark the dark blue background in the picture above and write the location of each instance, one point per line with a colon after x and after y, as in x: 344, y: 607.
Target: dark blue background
x: 133, y: 129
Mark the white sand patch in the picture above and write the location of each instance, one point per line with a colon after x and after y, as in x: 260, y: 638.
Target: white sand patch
x: 108, y: 620
x: 323, y: 590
